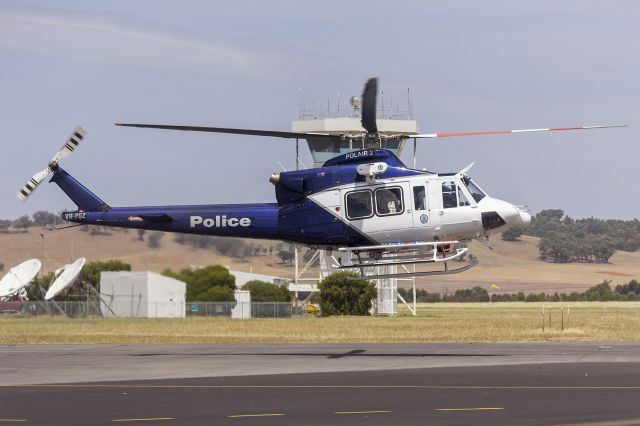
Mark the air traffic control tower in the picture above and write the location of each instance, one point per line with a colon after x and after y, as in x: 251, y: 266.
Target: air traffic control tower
x: 390, y: 121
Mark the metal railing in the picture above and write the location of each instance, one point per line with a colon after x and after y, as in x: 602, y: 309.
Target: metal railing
x: 322, y: 112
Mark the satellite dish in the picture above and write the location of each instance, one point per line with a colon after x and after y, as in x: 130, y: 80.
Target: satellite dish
x: 65, y: 279
x: 19, y: 277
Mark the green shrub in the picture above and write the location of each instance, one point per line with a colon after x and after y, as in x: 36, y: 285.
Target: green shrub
x: 201, y: 283
x: 262, y: 291
x: 91, y: 271
x: 341, y: 296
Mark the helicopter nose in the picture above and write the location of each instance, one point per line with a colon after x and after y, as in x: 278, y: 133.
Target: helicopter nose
x: 525, y: 218
x: 498, y: 214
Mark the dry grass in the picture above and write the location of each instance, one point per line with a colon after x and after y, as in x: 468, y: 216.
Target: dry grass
x: 498, y: 322
x: 61, y: 246
x: 514, y: 266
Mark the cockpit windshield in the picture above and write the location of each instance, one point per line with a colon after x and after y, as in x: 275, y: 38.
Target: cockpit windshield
x: 475, y: 191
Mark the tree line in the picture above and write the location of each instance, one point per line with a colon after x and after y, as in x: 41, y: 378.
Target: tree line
x: 564, y: 239
x: 40, y: 218
x: 599, y: 293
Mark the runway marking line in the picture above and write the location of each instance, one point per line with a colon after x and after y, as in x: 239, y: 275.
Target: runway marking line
x: 13, y: 420
x: 362, y: 412
x: 471, y: 387
x: 236, y: 416
x: 149, y: 419
x: 471, y: 409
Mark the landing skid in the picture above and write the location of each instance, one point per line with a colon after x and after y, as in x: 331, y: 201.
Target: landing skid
x: 374, y: 258
x: 446, y: 271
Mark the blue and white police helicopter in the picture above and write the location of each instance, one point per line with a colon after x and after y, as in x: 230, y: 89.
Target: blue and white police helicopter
x: 367, y: 206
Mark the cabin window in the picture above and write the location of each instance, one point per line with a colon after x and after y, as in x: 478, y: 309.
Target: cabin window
x: 449, y: 198
x: 359, y: 204
x: 420, y: 198
x: 389, y: 201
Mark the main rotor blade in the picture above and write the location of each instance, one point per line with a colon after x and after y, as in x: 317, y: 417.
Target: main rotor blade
x: 369, y: 105
x: 272, y: 133
x: 500, y: 132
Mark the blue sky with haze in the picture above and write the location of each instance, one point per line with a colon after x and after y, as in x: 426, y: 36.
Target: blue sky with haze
x: 470, y: 66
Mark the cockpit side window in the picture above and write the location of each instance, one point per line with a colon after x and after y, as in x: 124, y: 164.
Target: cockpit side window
x: 420, y: 198
x: 462, y: 199
x: 449, y: 198
x: 359, y: 204
x: 389, y: 201
x: 475, y: 192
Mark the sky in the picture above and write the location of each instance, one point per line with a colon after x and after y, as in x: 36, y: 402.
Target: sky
x: 470, y: 66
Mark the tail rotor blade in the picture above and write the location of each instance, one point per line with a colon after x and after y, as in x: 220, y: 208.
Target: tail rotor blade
x: 71, y: 144
x: 33, y: 183
x: 66, y: 150
x: 369, y: 105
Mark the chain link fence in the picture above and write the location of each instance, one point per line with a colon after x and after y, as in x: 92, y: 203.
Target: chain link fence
x: 70, y: 309
x: 193, y: 309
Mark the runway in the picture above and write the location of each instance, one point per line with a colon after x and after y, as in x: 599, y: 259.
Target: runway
x: 597, y: 384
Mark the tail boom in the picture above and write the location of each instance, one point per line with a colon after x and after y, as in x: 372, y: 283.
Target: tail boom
x: 232, y: 220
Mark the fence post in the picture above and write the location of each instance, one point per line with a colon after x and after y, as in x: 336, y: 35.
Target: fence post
x: 543, y: 318
x: 561, y: 319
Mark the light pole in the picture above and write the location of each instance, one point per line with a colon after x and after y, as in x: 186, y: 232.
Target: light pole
x: 42, y: 254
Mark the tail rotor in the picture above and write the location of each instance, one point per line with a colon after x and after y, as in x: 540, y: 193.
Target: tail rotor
x: 67, y: 149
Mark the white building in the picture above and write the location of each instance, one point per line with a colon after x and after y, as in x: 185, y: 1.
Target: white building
x: 244, y: 277
x: 141, y: 294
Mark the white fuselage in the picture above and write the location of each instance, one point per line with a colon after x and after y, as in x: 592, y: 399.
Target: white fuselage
x: 426, y: 207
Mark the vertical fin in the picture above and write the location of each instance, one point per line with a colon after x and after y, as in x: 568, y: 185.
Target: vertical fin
x: 79, y: 194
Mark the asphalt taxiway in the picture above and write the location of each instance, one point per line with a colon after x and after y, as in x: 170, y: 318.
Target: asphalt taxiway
x: 546, y: 383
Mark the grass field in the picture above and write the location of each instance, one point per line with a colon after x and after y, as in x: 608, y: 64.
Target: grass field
x: 443, y: 322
